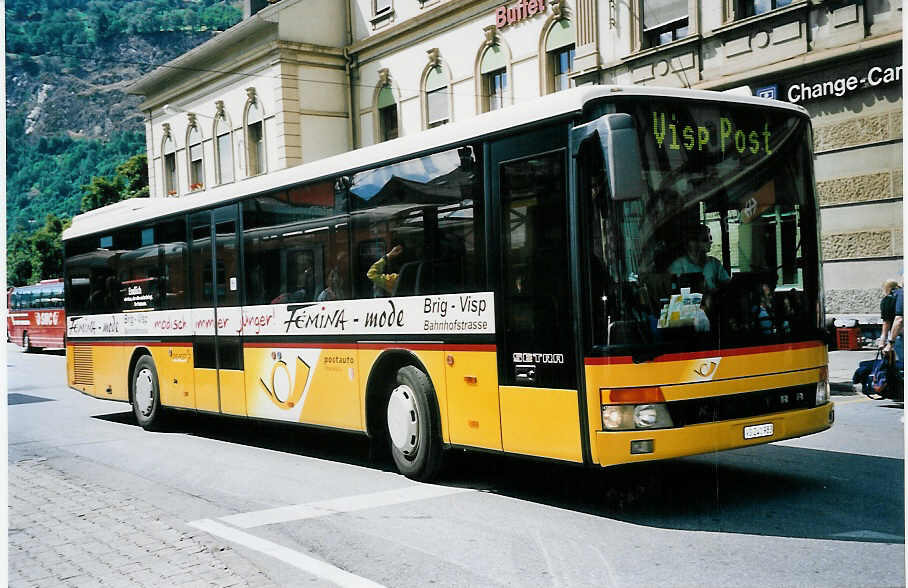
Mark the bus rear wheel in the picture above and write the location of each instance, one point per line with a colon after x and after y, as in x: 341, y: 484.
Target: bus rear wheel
x: 412, y: 430
x: 146, y: 395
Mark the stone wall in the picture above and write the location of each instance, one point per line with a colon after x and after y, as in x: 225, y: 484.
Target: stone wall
x: 885, y: 242
x: 856, y: 301
x: 852, y: 130
x: 861, y: 188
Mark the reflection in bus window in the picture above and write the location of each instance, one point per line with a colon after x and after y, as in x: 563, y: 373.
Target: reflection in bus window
x: 428, y: 211
x: 295, y: 251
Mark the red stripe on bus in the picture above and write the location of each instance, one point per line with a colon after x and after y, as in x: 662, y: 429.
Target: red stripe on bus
x: 428, y: 346
x: 627, y: 359
x: 138, y: 281
x: 275, y: 344
x: 72, y: 341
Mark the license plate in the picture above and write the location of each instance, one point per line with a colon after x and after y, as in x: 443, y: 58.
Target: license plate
x: 757, y: 431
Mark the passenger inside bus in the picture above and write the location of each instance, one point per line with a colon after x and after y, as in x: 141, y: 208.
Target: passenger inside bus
x: 384, y: 282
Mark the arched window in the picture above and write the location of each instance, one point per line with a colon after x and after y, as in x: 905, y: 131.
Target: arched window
x: 196, y: 161
x: 387, y: 114
x: 494, y: 71
x: 255, y: 140
x: 223, y: 147
x: 438, y: 105
x: 559, y: 56
x: 170, y: 166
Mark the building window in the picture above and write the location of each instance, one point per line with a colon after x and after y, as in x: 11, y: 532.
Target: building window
x: 387, y: 114
x: 438, y: 109
x: 255, y: 141
x: 753, y: 7
x: 170, y: 168
x: 224, y: 150
x: 381, y: 6
x: 493, y: 68
x: 196, y: 162
x: 497, y: 84
x: 664, y: 21
x: 559, y: 43
x: 562, y: 66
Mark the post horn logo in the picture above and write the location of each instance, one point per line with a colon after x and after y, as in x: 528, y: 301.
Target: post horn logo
x: 285, y: 391
x: 708, y: 368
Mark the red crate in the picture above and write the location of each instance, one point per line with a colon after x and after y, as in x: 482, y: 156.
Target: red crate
x: 847, y: 338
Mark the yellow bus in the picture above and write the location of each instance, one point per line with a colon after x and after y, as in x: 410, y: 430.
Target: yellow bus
x: 602, y: 276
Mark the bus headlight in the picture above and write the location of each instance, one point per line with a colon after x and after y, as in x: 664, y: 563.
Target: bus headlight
x: 823, y: 387
x: 652, y: 416
x: 629, y: 417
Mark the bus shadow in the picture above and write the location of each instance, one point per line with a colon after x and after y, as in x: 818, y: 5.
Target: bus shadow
x: 769, y: 490
x: 327, y: 444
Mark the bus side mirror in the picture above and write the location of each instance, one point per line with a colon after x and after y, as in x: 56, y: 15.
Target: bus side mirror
x: 620, y: 150
x: 622, y: 157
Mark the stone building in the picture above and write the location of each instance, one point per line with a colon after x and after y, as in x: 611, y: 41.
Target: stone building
x: 298, y: 80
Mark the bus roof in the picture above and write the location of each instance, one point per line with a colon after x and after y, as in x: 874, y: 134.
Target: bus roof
x: 54, y: 284
x: 564, y: 103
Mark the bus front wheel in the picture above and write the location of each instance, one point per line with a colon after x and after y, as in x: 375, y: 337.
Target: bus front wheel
x: 412, y: 430
x: 146, y: 396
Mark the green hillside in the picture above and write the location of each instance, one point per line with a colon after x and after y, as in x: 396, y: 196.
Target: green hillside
x: 69, y: 119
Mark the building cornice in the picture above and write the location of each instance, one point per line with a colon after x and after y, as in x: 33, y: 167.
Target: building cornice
x: 202, y: 59
x: 807, y: 60
x: 187, y: 80
x: 244, y: 64
x: 425, y: 25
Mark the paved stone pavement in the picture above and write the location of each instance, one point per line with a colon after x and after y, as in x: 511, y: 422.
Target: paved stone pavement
x: 69, y: 532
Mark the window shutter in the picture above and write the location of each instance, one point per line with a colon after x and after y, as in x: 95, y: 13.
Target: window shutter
x: 660, y: 12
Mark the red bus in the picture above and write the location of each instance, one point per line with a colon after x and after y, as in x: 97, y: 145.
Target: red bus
x: 36, y: 316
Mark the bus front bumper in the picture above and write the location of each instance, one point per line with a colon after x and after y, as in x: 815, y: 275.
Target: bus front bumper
x: 615, y: 447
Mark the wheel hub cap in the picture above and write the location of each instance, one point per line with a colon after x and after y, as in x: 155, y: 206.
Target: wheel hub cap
x: 144, y: 391
x: 403, y: 420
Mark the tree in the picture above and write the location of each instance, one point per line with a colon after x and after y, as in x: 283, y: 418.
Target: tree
x: 47, y: 245
x: 18, y: 259
x: 129, y: 181
x: 134, y: 172
x: 102, y: 191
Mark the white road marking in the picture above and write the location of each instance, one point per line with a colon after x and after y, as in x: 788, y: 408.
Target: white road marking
x: 850, y: 400
x: 344, y: 504
x: 307, y: 563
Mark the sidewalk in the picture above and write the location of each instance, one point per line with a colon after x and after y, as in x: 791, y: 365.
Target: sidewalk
x: 64, y: 531
x: 841, y: 368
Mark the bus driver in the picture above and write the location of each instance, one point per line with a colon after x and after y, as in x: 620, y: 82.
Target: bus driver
x: 697, y: 261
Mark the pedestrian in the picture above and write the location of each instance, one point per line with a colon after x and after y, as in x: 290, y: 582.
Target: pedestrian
x: 891, y: 311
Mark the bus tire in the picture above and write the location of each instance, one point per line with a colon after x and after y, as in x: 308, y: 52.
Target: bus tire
x: 146, y: 394
x: 413, y: 434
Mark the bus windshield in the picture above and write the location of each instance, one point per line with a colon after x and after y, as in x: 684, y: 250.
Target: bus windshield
x: 720, y: 250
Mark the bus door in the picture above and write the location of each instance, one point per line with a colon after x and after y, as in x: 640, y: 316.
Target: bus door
x: 538, y: 392
x: 216, y: 312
